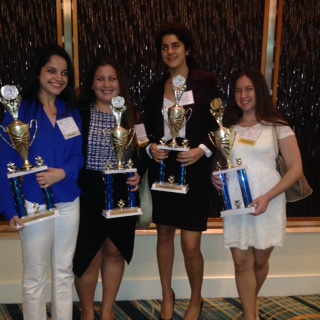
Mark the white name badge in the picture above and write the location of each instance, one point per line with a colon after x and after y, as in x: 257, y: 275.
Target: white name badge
x: 141, y: 135
x: 186, y: 98
x: 250, y: 136
x: 68, y: 128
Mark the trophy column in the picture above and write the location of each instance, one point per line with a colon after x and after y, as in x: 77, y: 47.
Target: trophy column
x: 241, y: 204
x: 120, y: 210
x: 37, y: 215
x: 18, y: 197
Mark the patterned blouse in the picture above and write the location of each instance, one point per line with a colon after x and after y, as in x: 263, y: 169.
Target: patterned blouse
x: 100, y: 149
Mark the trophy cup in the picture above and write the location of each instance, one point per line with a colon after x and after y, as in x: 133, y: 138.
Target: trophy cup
x: 223, y: 139
x: 177, y: 117
x: 19, y: 134
x: 121, y: 140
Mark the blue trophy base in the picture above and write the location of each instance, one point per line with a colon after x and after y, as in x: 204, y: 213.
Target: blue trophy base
x: 241, y: 206
x: 170, y: 187
x: 40, y: 216
x: 124, y: 212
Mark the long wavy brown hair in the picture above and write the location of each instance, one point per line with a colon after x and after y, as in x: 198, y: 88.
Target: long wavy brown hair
x: 265, y: 110
x: 130, y: 116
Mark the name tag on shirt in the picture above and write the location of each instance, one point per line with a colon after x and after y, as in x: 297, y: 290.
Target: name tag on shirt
x: 141, y: 135
x: 250, y: 136
x: 68, y: 128
x: 186, y: 98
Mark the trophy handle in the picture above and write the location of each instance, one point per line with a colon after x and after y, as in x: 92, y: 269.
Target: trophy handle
x: 131, y: 132
x: 35, y: 131
x: 211, y: 138
x: 106, y: 132
x: 2, y: 137
x: 220, y: 144
x: 190, y: 111
x: 163, y: 111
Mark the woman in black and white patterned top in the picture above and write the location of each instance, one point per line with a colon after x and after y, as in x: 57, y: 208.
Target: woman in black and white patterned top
x: 103, y: 244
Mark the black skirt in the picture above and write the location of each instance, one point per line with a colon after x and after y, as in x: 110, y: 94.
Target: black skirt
x: 184, y: 211
x: 94, y: 229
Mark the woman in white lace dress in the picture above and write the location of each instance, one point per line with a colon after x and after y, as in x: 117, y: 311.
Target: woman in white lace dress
x: 252, y: 237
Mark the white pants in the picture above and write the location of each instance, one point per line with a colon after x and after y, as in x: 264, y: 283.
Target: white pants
x: 56, y: 239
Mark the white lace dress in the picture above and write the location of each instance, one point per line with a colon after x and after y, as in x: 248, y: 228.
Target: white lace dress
x: 267, y: 229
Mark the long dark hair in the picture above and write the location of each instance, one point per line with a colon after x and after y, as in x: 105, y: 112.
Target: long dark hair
x: 31, y: 87
x: 129, y: 117
x: 184, y: 35
x: 265, y: 111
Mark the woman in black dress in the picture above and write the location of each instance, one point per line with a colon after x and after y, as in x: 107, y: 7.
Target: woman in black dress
x: 103, y: 244
x: 188, y: 212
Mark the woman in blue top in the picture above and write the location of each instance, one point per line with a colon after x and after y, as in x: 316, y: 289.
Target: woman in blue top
x: 48, y: 96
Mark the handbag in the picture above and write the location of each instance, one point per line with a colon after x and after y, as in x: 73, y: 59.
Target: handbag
x: 144, y: 220
x: 301, y: 188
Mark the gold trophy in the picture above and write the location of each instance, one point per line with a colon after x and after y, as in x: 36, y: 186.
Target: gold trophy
x: 120, y: 137
x: 176, y: 113
x: 177, y: 117
x: 223, y: 139
x: 19, y: 134
x: 121, y: 140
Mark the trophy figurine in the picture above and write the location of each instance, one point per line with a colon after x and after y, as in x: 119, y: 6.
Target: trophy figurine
x: 121, y: 140
x: 177, y: 117
x: 223, y: 139
x: 19, y: 134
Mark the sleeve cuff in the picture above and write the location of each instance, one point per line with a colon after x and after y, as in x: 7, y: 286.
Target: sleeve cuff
x: 206, y: 150
x: 148, y: 151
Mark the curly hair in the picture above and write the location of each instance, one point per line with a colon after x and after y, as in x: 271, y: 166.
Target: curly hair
x: 184, y: 35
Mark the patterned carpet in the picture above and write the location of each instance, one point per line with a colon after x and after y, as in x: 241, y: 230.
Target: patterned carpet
x: 305, y: 307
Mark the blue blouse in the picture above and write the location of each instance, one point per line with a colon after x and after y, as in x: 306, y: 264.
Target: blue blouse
x: 49, y: 144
